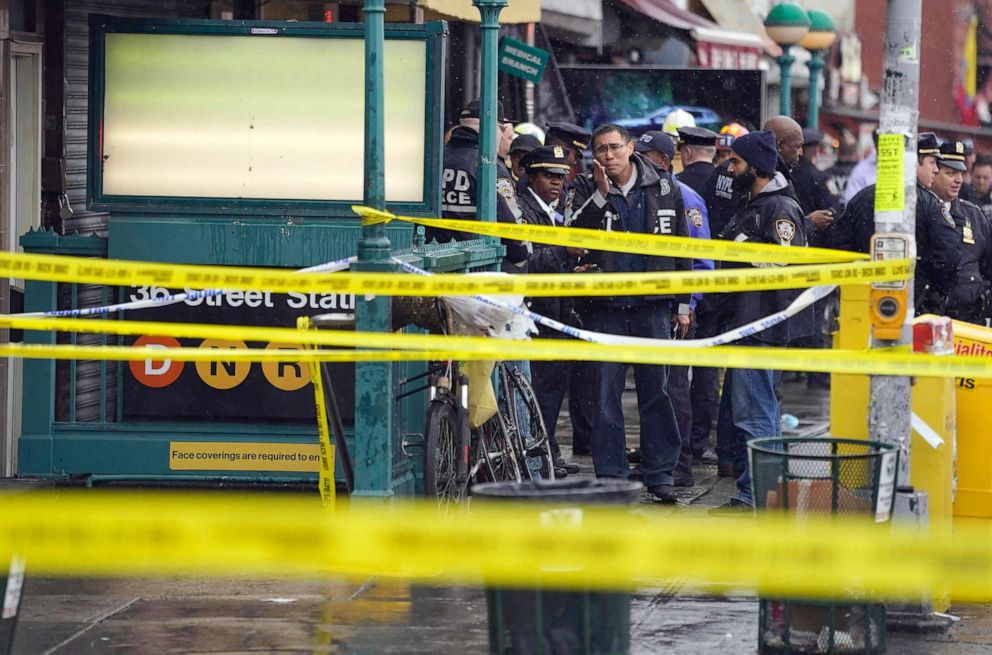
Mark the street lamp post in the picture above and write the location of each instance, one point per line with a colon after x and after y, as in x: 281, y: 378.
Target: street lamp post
x: 820, y: 37
x: 787, y: 24
x: 489, y: 25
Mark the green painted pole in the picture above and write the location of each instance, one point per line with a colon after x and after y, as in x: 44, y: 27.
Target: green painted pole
x: 374, y: 240
x: 785, y: 61
x: 375, y: 419
x: 815, y: 66
x: 486, y: 202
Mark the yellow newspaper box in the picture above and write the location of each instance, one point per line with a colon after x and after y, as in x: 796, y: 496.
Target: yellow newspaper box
x: 974, y: 465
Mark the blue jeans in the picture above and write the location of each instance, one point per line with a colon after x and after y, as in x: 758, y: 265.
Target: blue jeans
x: 748, y: 410
x: 660, y: 442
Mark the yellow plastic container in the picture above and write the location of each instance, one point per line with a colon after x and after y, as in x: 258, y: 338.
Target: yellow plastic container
x: 974, y: 398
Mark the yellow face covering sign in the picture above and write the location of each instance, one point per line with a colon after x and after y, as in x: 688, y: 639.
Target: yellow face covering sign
x: 890, y: 191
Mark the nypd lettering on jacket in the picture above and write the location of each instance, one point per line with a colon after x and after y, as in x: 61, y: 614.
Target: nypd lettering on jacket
x: 459, y: 194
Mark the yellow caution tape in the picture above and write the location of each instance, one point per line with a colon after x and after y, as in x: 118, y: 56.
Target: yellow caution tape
x: 57, y: 268
x: 641, y: 244
x: 325, y: 480
x: 157, y: 533
x: 419, y: 347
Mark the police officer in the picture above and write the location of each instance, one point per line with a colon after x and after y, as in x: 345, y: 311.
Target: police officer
x: 938, y: 246
x: 460, y: 179
x: 581, y: 390
x: 626, y: 193
x: 698, y: 146
x: 660, y: 149
x: 572, y: 137
x: 540, y: 201
x: 969, y: 298
x: 520, y: 146
x: 749, y: 407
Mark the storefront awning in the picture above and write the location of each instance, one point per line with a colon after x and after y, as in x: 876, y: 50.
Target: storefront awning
x: 738, y: 16
x: 517, y: 11
x: 715, y: 47
x: 576, y: 21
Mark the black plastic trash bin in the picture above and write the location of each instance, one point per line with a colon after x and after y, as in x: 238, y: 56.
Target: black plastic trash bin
x: 545, y: 621
x: 831, y: 476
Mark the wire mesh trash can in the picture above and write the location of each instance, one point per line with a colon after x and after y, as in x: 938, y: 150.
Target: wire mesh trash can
x: 834, y: 476
x: 542, y: 621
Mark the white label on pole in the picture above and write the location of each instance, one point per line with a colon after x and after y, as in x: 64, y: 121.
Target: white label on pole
x: 886, y: 487
x: 15, y: 581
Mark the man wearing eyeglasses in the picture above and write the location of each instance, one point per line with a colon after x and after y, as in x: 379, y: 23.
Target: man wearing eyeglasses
x: 626, y: 193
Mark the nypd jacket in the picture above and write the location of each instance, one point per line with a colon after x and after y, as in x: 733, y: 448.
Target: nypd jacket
x: 546, y: 259
x: 722, y: 200
x: 655, y: 198
x: 969, y: 298
x: 938, y: 243
x: 772, y: 216
x: 459, y: 196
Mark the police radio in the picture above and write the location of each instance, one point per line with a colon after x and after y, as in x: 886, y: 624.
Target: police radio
x: 888, y: 300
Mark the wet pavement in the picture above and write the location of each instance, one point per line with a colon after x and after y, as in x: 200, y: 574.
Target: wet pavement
x: 135, y: 615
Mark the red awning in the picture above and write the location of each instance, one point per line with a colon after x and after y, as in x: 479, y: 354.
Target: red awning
x: 666, y: 12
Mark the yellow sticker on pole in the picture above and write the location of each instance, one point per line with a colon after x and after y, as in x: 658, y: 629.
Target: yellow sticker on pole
x: 890, y: 190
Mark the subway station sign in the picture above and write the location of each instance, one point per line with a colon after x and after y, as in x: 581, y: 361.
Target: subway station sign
x: 522, y: 60
x: 231, y: 391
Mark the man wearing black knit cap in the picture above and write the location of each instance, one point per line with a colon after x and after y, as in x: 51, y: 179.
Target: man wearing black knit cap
x: 748, y: 407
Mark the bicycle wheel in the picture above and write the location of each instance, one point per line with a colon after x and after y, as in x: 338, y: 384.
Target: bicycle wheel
x: 525, y: 424
x: 532, y: 433
x: 441, y: 452
x: 495, y: 451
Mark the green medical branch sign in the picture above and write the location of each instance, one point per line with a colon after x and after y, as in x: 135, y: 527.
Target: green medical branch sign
x: 522, y: 60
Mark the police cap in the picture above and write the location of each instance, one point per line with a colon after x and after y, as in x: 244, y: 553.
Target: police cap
x: 525, y: 143
x: 697, y: 136
x: 471, y: 110
x: 547, y: 159
x: 656, y: 141
x: 569, y: 134
x: 812, y: 136
x: 927, y: 144
x: 952, y: 155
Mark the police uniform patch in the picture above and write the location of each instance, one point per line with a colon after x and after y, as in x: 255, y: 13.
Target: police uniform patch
x: 504, y: 187
x: 947, y: 215
x: 785, y: 229
x: 666, y: 188
x: 568, y: 199
x: 695, y: 216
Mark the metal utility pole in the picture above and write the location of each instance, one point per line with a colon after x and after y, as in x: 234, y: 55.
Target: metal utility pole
x: 890, y: 402
x: 889, y: 405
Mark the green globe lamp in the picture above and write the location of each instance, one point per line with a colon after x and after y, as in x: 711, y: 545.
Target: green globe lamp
x: 819, y: 39
x: 787, y: 24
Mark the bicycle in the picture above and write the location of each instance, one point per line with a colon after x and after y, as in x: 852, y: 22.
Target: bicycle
x: 457, y: 457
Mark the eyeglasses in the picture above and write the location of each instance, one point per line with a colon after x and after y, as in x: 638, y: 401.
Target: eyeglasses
x: 604, y: 148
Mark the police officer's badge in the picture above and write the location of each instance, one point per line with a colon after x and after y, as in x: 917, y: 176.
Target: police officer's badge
x: 666, y: 188
x: 786, y: 230
x: 559, y: 152
x: 695, y: 216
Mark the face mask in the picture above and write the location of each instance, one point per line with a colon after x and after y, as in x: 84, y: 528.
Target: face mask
x: 744, y: 181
